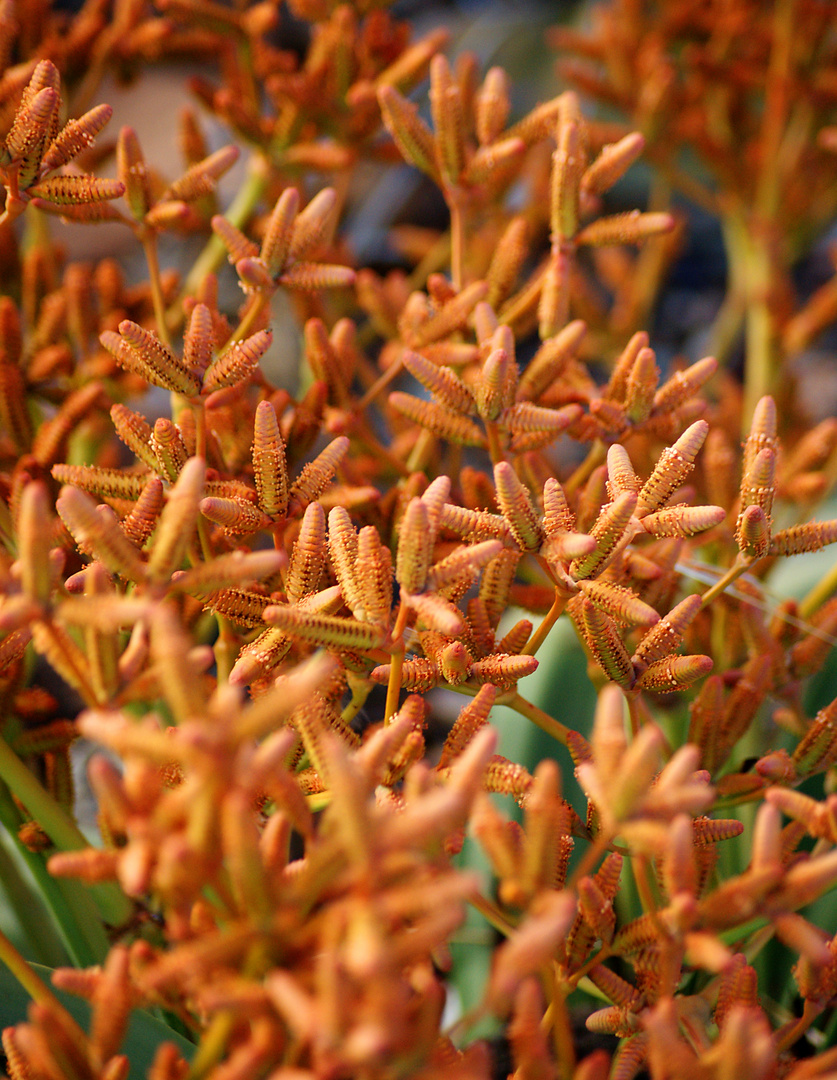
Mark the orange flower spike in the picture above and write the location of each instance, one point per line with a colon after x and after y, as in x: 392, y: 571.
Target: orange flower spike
x: 514, y: 641
x: 135, y: 432
x: 239, y: 517
x: 558, y: 518
x: 622, y: 605
x: 609, y: 531
x: 317, y: 475
x: 596, y: 910
x: 71, y: 190
x: 602, y: 638
x: 343, y: 553
x: 308, y: 555
x: 554, y: 300
x: 76, y: 136
x: 448, y: 120
x: 674, y: 465
x: 550, y: 360
x: 200, y: 178
x: 503, y: 671
x: 198, y: 341
x: 762, y: 434
x: 441, y: 381
x: 441, y: 421
x: 34, y: 529
x: 323, y: 360
x: 758, y: 484
x: 617, y: 386
x: 312, y: 224
x: 410, y: 133
x: 492, y: 106
x: 231, y: 571
x: 471, y: 558
x: 277, y: 238
x: 517, y: 507
x: 811, y: 536
x: 140, y: 351
x: 30, y: 131
x: 568, y: 165
x: 14, y: 416
x: 683, y: 521
x: 642, y: 386
x: 632, y: 227
x: 106, y: 483
x: 479, y: 523
x: 100, y: 535
x: 470, y: 719
x: 665, y: 637
x: 507, y: 261
x: 496, y: 584
x: 620, y: 472
x: 269, y: 467
x: 237, y: 362
x: 415, y: 548
x: 490, y: 395
x: 169, y: 448
x: 684, y: 385
x: 133, y: 172
x: 51, y: 438
x: 178, y: 521
x: 452, y: 316
x: 420, y: 674
x: 753, y: 532
x: 324, y: 630
x: 817, y: 749
x: 545, y: 826
x: 612, y: 163
x: 237, y: 244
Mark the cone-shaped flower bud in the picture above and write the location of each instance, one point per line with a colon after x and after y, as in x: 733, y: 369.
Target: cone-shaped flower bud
x: 608, y: 531
x: 620, y: 603
x: 674, y: 465
x: 324, y: 629
x: 269, y: 468
x: 673, y: 673
x: 440, y: 381
x: 99, y: 534
x: 517, y: 508
x: 629, y: 228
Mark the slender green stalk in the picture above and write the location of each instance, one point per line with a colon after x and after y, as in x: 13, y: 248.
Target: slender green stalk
x: 238, y: 213
x: 549, y: 620
x: 37, y: 988
x: 739, y: 567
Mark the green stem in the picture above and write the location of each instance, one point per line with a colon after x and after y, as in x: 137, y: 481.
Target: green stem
x: 751, y: 264
x: 149, y: 246
x: 238, y: 213
x: 457, y: 237
x: 739, y: 567
x: 397, y: 663
x: 549, y: 620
